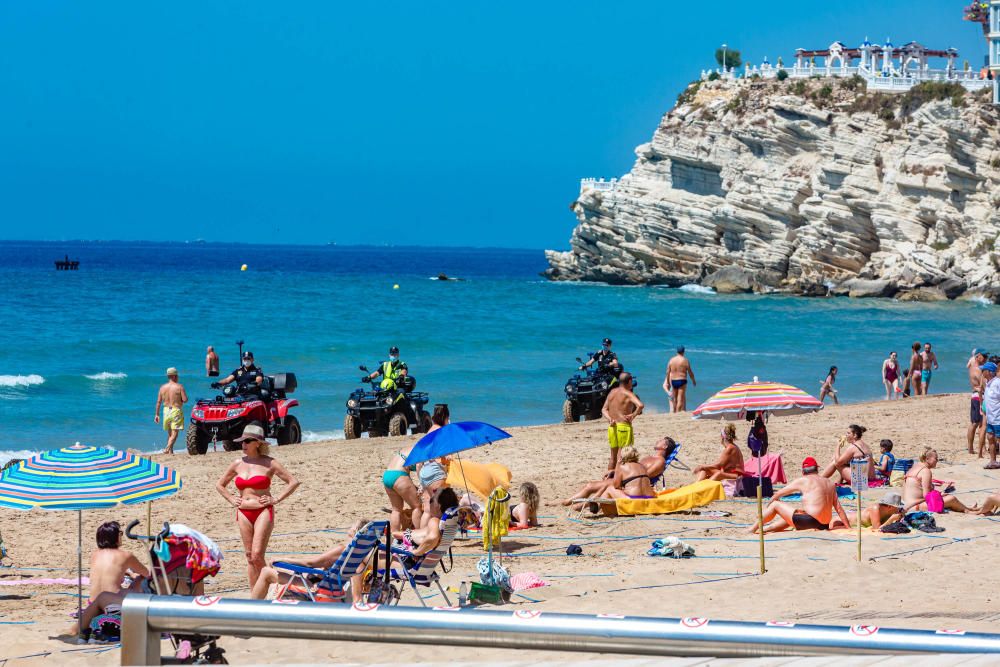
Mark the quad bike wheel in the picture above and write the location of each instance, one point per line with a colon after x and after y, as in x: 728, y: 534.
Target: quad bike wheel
x: 425, y: 423
x: 197, y: 442
x: 593, y: 413
x: 231, y: 446
x: 352, y: 427
x: 291, y: 432
x: 571, y: 411
x: 397, y: 424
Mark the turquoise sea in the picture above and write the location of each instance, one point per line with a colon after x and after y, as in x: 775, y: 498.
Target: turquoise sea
x: 82, y: 353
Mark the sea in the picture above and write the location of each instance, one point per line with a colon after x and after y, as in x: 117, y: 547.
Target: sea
x: 82, y: 353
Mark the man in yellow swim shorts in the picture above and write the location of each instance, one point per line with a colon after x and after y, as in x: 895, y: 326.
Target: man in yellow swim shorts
x: 172, y: 397
x: 621, y: 407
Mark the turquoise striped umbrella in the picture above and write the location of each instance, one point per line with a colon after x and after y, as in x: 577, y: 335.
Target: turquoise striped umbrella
x: 82, y: 478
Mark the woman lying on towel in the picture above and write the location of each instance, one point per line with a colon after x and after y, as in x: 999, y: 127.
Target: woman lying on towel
x: 654, y: 464
x: 730, y: 463
x: 631, y: 479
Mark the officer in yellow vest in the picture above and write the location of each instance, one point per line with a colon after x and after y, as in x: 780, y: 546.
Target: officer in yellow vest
x: 391, y: 371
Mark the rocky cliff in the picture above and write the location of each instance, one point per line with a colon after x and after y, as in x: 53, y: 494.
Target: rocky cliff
x: 810, y: 187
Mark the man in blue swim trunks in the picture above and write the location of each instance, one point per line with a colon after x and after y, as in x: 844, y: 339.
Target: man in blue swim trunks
x: 675, y: 383
x: 930, y: 364
x: 978, y: 358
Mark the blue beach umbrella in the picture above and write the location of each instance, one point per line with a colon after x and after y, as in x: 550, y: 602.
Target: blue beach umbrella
x: 452, y: 439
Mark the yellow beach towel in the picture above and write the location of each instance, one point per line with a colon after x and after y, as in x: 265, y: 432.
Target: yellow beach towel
x: 673, y: 500
x: 481, y: 478
x: 496, y: 521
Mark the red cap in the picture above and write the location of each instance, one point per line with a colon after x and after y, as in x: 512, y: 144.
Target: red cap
x: 809, y: 462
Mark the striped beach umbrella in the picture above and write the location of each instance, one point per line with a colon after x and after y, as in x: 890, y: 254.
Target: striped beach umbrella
x: 83, y: 478
x: 774, y: 397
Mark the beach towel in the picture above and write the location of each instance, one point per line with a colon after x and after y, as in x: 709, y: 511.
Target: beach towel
x: 673, y: 500
x: 526, y: 580
x: 843, y: 493
x: 481, y: 478
x: 496, y: 521
x: 671, y: 547
x: 771, y: 466
x: 85, y: 581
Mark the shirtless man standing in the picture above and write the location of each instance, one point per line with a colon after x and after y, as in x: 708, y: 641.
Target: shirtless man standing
x: 930, y: 365
x: 678, y: 370
x: 620, y: 408
x: 211, y: 363
x: 819, y: 501
x: 978, y: 358
x: 916, y: 370
x: 172, y: 397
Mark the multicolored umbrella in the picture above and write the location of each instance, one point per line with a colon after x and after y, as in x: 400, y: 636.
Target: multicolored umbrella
x: 82, y: 478
x: 743, y: 397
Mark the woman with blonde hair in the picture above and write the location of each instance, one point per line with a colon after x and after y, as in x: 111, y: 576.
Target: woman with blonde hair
x: 918, y: 484
x: 253, y: 502
x: 730, y: 463
x: 525, y: 513
x: 631, y: 479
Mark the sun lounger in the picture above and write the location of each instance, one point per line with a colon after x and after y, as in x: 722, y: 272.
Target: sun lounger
x: 671, y: 461
x: 424, y: 572
x: 331, y: 584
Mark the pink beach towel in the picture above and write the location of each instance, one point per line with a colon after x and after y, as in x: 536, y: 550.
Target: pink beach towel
x: 771, y: 466
x: 526, y: 580
x: 43, y: 582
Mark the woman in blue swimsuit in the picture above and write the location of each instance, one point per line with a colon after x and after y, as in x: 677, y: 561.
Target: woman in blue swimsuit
x: 400, y: 489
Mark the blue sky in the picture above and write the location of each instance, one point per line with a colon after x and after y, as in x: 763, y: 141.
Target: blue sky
x: 431, y: 123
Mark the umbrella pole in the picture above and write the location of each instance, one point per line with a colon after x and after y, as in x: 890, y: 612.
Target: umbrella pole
x: 79, y: 569
x: 859, y: 526
x: 760, y: 512
x: 149, y: 517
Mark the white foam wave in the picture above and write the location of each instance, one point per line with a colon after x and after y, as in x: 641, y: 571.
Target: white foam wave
x: 696, y: 289
x: 314, y: 436
x: 8, y: 454
x: 20, y: 380
x: 104, y: 375
x: 739, y: 353
x: 981, y: 300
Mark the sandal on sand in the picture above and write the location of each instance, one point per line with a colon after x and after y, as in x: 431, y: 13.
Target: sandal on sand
x: 991, y: 466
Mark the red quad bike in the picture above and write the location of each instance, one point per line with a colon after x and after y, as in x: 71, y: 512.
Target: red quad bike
x: 222, y: 419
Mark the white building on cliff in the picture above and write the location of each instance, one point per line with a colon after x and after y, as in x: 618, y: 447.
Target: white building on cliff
x: 994, y: 37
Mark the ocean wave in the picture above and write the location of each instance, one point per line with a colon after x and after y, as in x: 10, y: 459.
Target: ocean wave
x: 696, y: 289
x: 314, y: 436
x: 20, y: 380
x: 9, y: 454
x: 739, y: 353
x: 104, y: 375
x: 981, y: 300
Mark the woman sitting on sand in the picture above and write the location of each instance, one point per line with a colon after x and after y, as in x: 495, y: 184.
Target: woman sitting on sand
x: 433, y: 475
x: 851, y: 447
x: 654, y: 464
x: 255, y: 504
x: 525, y: 513
x: 918, y: 483
x: 631, y: 479
x: 730, y: 463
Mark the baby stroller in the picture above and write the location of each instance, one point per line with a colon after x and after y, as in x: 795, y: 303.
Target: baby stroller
x: 180, y: 560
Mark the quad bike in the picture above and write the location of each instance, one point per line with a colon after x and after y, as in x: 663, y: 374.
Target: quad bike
x: 380, y: 412
x: 586, y: 393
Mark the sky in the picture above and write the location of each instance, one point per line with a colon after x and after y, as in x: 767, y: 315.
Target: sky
x: 404, y: 123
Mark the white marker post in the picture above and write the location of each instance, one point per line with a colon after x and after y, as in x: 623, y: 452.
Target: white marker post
x: 859, y: 482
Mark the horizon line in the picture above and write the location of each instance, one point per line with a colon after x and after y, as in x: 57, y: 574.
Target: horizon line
x: 200, y: 242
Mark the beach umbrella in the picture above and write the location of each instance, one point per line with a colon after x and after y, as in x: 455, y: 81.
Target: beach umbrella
x: 776, y: 398
x: 83, y: 478
x: 773, y: 397
x: 452, y: 439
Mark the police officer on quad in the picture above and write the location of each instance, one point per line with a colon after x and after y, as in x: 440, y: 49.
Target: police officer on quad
x: 247, y: 374
x: 391, y: 371
x: 604, y: 358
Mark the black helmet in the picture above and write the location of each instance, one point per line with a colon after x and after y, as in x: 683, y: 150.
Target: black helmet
x: 393, y: 350
x: 606, y: 341
x: 248, y: 355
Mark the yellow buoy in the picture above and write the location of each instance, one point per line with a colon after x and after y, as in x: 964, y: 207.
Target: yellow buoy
x: 395, y: 287
x: 243, y: 268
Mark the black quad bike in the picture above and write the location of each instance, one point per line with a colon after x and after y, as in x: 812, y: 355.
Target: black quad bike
x: 382, y: 412
x: 586, y: 392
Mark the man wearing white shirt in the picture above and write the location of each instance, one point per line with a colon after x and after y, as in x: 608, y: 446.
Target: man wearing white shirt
x: 991, y: 406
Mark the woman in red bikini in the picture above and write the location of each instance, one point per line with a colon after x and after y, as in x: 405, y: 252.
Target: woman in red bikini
x: 254, y: 504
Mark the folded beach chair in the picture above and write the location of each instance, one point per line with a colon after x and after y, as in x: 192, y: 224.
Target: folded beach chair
x: 671, y: 461
x: 424, y: 572
x: 331, y: 584
x: 899, y: 469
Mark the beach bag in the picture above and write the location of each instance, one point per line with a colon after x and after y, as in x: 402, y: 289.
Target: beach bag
x: 746, y: 487
x: 935, y: 502
x: 492, y: 573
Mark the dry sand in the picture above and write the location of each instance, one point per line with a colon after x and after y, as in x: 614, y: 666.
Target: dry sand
x: 944, y: 582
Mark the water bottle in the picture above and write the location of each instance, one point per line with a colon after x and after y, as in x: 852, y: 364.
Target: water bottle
x: 463, y: 594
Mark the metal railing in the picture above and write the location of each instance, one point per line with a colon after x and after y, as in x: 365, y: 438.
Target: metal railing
x: 145, y: 617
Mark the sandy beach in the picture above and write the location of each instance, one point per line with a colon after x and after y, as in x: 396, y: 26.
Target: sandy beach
x: 916, y: 580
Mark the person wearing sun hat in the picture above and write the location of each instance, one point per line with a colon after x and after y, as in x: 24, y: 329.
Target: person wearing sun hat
x: 818, y: 505
x: 172, y: 397
x: 886, y: 511
x: 991, y: 407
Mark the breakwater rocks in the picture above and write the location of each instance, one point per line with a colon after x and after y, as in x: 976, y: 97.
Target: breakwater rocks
x: 810, y: 187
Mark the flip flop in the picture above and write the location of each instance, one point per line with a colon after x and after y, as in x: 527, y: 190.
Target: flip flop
x: 991, y: 466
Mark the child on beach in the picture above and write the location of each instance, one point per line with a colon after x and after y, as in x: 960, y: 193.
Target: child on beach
x: 886, y: 460
x: 525, y: 513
